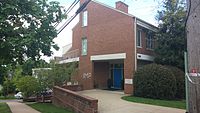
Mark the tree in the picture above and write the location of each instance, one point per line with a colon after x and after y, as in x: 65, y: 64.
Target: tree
x: 8, y: 86
x: 61, y: 73
x: 171, y: 34
x: 28, y: 85
x: 26, y: 29
x: 57, y: 75
x: 30, y: 64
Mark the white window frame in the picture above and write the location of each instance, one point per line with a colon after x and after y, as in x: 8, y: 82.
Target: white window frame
x: 85, y: 18
x: 84, y: 46
x: 137, y: 36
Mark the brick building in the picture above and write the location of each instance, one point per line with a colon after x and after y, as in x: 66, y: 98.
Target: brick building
x: 109, y: 44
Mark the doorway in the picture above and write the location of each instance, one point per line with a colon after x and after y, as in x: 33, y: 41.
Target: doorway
x: 117, y: 76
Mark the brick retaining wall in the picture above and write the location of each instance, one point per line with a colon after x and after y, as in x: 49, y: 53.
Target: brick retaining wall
x: 70, y: 99
x: 73, y: 87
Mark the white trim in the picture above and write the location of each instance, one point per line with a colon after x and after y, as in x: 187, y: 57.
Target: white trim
x: 35, y: 69
x: 69, y: 60
x: 145, y: 57
x: 108, y: 56
x: 145, y: 25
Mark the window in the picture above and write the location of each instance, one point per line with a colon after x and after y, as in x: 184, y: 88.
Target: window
x: 84, y: 46
x: 84, y: 18
x: 139, y: 38
x: 149, y: 41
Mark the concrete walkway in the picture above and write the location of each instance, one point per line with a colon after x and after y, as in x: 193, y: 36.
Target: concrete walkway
x: 17, y: 107
x: 111, y: 102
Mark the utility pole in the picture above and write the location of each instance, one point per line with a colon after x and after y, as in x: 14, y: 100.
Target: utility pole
x: 193, y: 49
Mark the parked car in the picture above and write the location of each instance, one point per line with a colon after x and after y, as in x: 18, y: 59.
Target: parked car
x: 18, y: 95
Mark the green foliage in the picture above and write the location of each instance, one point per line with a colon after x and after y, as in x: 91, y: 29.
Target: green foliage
x: 26, y: 29
x: 8, y: 87
x: 167, y: 103
x: 180, y: 81
x: 154, y: 81
x: 4, y: 108
x: 30, y: 64
x: 43, y: 77
x: 171, y: 34
x: 62, y: 73
x: 58, y: 75
x: 28, y: 85
x: 3, y: 73
x: 49, y: 108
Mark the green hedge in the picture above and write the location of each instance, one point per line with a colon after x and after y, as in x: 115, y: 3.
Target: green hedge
x: 154, y: 81
x: 180, y: 81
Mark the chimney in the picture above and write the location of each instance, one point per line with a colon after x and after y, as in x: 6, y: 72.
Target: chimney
x: 82, y: 1
x: 122, y: 6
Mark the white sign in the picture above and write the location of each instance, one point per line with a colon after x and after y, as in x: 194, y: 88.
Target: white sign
x: 194, y: 74
x: 128, y: 81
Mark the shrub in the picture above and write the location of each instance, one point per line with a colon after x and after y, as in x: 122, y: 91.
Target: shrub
x: 8, y: 87
x: 180, y: 81
x: 154, y: 81
x: 28, y: 85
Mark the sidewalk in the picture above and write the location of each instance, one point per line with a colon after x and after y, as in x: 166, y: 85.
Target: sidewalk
x: 111, y: 102
x: 17, y: 107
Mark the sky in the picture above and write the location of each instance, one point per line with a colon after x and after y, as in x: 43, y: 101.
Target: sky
x: 143, y: 9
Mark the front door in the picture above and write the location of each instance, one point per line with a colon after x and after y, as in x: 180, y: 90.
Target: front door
x: 117, y: 72
x: 117, y: 78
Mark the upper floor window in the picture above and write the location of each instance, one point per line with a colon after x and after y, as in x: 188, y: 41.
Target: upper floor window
x: 139, y: 38
x: 149, y: 41
x: 85, y: 18
x: 84, y: 46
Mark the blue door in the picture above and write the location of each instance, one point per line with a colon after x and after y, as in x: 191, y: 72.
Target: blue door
x: 117, y: 78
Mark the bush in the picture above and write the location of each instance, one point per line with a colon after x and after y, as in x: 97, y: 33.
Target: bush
x: 28, y: 85
x: 180, y: 81
x: 8, y: 87
x: 154, y: 81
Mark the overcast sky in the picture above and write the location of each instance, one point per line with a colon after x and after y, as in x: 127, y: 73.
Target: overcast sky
x: 143, y: 9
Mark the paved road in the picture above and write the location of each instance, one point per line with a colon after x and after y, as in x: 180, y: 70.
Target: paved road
x: 111, y: 102
x: 18, y: 107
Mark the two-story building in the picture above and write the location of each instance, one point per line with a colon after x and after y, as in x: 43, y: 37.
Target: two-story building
x: 109, y: 44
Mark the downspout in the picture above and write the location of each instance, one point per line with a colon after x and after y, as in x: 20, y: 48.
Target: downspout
x: 135, y: 27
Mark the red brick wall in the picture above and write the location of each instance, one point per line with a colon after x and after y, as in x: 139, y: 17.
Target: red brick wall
x: 101, y: 74
x: 108, y: 32
x: 78, y: 103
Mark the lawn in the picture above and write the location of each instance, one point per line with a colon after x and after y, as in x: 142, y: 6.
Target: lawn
x: 49, y: 108
x: 7, y: 97
x: 166, y: 103
x: 4, y: 108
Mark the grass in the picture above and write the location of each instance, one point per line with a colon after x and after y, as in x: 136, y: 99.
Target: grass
x: 7, y: 97
x: 165, y: 103
x: 49, y: 108
x: 4, y: 108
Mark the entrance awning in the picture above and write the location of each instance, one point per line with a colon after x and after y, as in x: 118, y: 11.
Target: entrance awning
x: 108, y: 57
